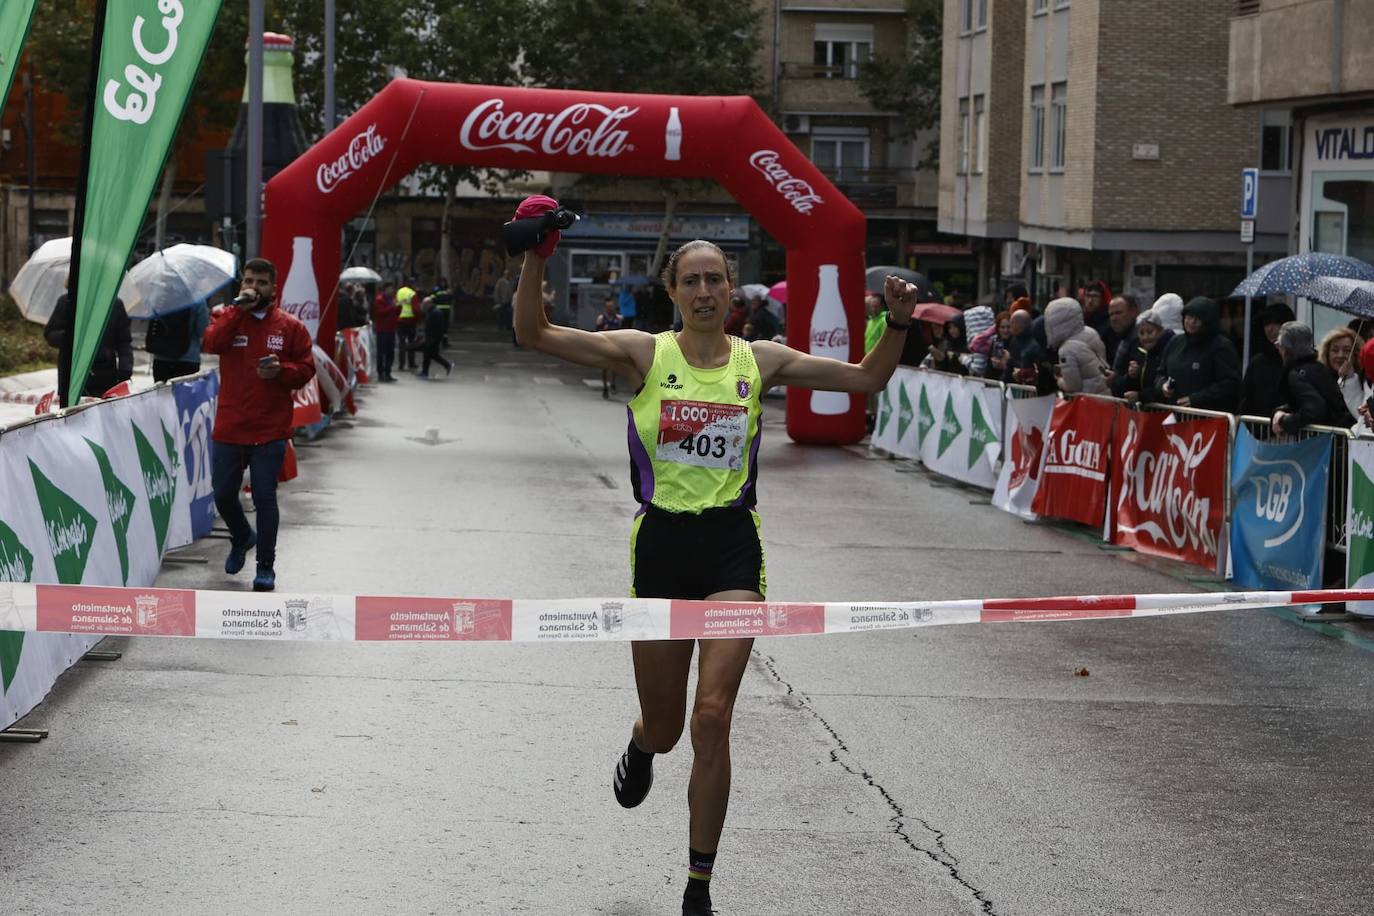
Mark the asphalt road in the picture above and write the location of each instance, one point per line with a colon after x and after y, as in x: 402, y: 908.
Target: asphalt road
x: 1213, y: 764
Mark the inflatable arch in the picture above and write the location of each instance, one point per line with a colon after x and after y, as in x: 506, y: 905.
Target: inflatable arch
x: 729, y: 139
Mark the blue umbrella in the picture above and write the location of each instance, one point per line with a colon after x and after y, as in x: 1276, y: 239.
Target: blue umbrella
x: 1288, y: 275
x: 1353, y: 296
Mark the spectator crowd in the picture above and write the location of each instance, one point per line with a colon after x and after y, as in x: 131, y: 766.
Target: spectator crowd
x: 1172, y: 353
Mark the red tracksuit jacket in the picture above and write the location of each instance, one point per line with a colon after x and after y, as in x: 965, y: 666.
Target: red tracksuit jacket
x: 255, y: 410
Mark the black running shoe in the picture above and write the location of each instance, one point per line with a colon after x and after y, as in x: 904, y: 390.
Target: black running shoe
x: 633, y: 777
x: 697, y: 906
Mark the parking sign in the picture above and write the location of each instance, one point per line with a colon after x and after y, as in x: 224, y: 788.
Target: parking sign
x: 1249, y: 193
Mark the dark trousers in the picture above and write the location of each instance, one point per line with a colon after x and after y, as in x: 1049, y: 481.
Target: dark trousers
x: 386, y: 353
x: 227, y: 463
x: 431, y: 353
x: 405, y: 336
x: 167, y: 369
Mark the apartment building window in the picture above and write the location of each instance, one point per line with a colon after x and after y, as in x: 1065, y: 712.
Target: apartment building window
x: 1276, y: 142
x: 840, y: 152
x: 1040, y: 6
x: 840, y: 49
x: 1059, y: 116
x: 1061, y: 4
x: 978, y: 157
x: 964, y: 138
x: 965, y: 15
x: 1037, y: 129
x: 982, y: 14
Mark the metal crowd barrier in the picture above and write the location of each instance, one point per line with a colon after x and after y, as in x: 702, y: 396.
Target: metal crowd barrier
x: 1260, y: 427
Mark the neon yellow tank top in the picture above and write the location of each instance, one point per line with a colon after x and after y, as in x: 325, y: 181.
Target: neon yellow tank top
x: 694, y: 433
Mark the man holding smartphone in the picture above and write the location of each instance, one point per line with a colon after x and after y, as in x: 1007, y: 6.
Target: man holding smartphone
x: 264, y: 355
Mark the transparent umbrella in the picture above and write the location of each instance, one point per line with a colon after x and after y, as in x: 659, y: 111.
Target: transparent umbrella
x: 176, y: 278
x: 42, y: 279
x: 1353, y: 296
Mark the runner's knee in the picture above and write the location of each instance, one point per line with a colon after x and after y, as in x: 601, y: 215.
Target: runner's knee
x: 662, y: 736
x: 710, y: 728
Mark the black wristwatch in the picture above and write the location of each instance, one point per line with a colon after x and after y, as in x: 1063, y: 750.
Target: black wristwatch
x: 897, y: 325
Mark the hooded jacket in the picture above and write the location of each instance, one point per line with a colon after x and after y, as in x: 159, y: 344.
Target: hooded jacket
x: 1204, y: 367
x: 1260, y: 389
x: 1082, y: 356
x: 1151, y: 363
x: 951, y: 348
x: 978, y: 321
x: 1311, y: 396
x: 1169, y: 308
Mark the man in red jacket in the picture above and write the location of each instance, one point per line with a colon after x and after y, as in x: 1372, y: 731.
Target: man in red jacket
x: 264, y: 355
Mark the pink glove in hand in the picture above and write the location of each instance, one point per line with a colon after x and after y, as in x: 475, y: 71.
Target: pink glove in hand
x: 538, y: 205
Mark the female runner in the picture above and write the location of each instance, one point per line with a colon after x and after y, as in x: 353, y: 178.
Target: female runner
x: 697, y: 534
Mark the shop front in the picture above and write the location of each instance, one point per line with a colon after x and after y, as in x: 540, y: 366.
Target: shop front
x: 1337, y: 198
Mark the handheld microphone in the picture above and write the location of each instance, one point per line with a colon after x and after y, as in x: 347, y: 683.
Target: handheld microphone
x: 245, y: 299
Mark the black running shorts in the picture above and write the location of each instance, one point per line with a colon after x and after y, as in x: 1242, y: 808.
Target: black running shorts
x: 690, y: 555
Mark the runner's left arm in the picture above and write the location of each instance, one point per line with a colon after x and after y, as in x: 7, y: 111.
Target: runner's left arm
x: 782, y: 365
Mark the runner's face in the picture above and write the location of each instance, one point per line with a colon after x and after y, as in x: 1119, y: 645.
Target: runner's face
x: 702, y: 290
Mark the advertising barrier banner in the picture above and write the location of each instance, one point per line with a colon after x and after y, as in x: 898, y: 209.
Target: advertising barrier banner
x: 1073, y: 482
x: 1360, y: 522
x: 1027, y: 428
x: 195, y: 406
x: 966, y: 441
x: 893, y: 419
x: 93, y: 497
x: 1278, y: 515
x: 1169, y: 481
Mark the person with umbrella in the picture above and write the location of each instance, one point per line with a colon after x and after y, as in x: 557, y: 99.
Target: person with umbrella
x: 174, y: 341
x: 1264, y: 376
x: 114, y: 358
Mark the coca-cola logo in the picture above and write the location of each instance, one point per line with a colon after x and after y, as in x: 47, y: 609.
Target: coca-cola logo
x: 361, y: 150
x: 834, y: 337
x: 584, y: 129
x: 307, y: 310
x: 796, y: 191
x: 1162, y: 490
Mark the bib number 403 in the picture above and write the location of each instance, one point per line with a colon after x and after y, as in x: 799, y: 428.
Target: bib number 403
x: 704, y: 446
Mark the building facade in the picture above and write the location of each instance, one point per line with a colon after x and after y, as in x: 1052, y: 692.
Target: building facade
x: 1128, y: 153
x: 1309, y: 69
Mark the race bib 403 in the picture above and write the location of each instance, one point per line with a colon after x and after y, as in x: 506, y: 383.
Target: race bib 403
x: 703, y: 434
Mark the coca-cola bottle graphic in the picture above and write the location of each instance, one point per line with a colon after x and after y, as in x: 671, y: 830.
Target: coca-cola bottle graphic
x: 672, y: 137
x: 300, y: 296
x: 829, y: 337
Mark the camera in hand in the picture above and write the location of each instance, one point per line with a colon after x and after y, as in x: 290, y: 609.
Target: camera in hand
x: 521, y: 235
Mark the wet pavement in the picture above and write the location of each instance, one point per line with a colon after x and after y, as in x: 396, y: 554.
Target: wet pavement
x: 1213, y: 764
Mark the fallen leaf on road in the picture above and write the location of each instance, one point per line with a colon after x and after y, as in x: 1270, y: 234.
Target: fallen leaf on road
x: 1081, y: 672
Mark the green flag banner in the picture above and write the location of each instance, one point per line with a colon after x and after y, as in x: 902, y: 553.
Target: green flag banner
x: 150, y: 51
x: 15, y: 18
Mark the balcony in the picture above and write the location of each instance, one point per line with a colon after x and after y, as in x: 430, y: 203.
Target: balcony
x: 805, y: 86
x: 875, y: 188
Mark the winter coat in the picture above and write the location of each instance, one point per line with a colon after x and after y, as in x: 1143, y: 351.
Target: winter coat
x: 977, y: 321
x: 1127, y: 351
x: 113, y: 361
x: 1023, y: 353
x: 1101, y: 322
x: 1204, y: 367
x: 255, y: 410
x: 1169, y: 307
x: 1260, y: 389
x: 385, y: 313
x: 1151, y: 364
x: 1311, y: 396
x: 1082, y: 357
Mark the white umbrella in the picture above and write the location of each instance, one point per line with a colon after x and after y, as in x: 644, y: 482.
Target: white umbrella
x: 176, y: 278
x: 42, y: 279
x: 751, y: 290
x: 360, y: 275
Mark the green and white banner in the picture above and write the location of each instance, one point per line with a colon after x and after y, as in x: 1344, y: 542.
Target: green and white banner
x: 92, y: 498
x: 952, y: 424
x: 15, y: 18
x: 1360, y: 522
x: 149, y: 55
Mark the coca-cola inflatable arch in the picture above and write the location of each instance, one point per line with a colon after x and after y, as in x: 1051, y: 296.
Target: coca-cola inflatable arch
x: 411, y: 122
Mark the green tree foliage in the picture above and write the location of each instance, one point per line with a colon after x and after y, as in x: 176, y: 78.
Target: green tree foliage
x: 707, y: 47
x: 910, y: 85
